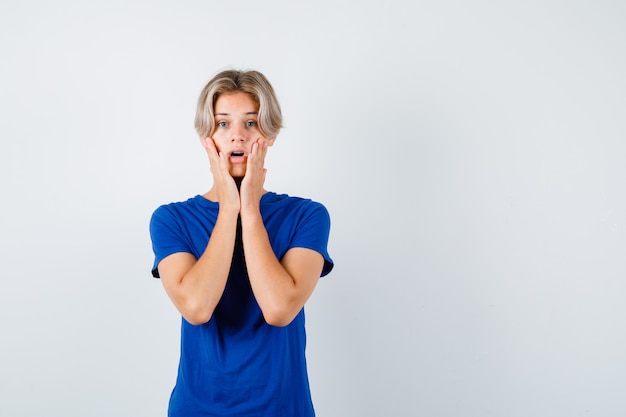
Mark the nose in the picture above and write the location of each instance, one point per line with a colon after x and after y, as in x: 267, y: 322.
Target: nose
x: 237, y: 135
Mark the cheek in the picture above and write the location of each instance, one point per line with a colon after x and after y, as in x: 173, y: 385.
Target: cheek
x: 218, y: 139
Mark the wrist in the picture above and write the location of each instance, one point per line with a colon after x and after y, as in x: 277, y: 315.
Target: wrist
x: 228, y: 210
x: 250, y: 213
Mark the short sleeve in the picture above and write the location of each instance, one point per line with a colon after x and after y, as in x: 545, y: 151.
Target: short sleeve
x: 313, y: 231
x: 167, y: 237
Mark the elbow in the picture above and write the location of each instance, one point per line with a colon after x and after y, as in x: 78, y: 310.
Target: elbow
x: 279, y: 316
x: 196, y: 320
x: 196, y: 315
x: 277, y: 320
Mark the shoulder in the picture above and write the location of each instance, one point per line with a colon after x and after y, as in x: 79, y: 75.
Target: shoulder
x: 299, y: 223
x: 285, y: 209
x: 183, y: 215
x: 290, y: 212
x: 181, y: 209
x: 274, y: 201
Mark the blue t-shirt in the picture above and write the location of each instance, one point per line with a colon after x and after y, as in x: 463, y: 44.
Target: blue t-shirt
x: 236, y: 364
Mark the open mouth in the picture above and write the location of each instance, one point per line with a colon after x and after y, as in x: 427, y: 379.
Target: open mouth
x: 236, y: 153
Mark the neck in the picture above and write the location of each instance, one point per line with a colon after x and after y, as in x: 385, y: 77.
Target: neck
x: 212, y: 193
x: 238, y: 182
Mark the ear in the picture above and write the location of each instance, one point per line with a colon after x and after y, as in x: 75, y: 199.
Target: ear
x: 270, y: 141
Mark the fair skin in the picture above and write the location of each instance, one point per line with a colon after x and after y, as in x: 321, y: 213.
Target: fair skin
x: 281, y: 287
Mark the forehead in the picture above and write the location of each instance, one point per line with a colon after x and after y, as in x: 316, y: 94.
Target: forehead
x: 235, y: 103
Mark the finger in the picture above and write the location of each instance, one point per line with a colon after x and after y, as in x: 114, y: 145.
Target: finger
x: 253, y: 154
x: 256, y: 165
x: 261, y: 143
x: 217, y: 158
x: 209, y: 145
x: 262, y: 147
x: 258, y: 152
x: 210, y: 149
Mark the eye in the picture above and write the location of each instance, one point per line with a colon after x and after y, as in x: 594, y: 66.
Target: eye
x: 222, y: 124
x: 251, y: 123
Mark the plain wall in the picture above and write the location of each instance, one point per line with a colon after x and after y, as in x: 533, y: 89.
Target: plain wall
x: 472, y: 156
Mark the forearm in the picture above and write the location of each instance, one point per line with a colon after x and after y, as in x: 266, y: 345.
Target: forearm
x: 202, y: 286
x: 273, y: 287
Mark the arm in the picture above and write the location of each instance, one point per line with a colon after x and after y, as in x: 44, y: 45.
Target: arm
x: 280, y: 288
x: 196, y: 286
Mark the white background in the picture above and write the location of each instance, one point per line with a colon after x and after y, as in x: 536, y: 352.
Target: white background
x: 471, y: 154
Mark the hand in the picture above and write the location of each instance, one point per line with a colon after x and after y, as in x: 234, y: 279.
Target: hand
x: 252, y: 184
x: 223, y: 182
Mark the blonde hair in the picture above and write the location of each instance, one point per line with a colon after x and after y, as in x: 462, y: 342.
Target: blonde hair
x: 270, y: 118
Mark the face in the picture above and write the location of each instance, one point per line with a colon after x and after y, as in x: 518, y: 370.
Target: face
x: 236, y: 129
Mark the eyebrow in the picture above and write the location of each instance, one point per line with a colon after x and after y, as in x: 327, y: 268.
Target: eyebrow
x: 228, y: 114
